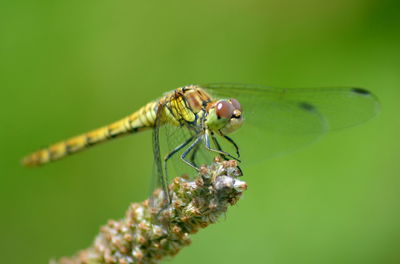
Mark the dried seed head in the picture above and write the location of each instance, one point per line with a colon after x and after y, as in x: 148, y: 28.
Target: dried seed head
x: 155, y: 228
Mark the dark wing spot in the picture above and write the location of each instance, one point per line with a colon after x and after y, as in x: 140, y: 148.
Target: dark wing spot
x: 360, y: 91
x: 307, y: 106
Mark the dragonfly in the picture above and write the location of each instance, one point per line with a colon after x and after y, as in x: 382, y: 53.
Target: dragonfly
x: 194, y: 123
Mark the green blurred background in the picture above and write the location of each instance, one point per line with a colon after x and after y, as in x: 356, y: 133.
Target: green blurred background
x: 69, y: 66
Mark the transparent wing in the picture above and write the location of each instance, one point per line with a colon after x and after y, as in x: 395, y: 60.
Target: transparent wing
x: 159, y: 178
x: 279, y: 120
x: 170, y: 141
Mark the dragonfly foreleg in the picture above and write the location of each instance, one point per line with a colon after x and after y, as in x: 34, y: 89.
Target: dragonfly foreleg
x: 216, y: 143
x: 221, y: 152
x: 232, y: 142
x: 219, y: 148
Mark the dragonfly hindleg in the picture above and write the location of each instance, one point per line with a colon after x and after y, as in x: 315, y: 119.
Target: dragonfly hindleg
x: 190, y: 148
x: 174, y: 151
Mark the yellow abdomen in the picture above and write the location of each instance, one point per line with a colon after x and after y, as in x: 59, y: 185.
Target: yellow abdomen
x: 175, y: 107
x: 142, y: 119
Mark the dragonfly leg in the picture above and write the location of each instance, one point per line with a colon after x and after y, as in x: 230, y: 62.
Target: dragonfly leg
x: 216, y: 143
x: 175, y: 150
x: 232, y: 142
x: 193, y: 155
x: 219, y: 148
x: 170, y: 154
x: 221, y: 152
x: 190, y: 148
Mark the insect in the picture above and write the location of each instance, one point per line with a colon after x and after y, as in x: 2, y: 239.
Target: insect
x: 194, y: 122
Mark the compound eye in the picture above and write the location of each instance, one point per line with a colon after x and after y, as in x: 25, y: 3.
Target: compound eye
x: 224, y: 109
x: 236, y: 104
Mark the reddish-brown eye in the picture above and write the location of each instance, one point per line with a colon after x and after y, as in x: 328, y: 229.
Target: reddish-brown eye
x: 224, y: 109
x: 236, y: 104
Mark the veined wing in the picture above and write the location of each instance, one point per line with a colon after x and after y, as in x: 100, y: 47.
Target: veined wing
x: 172, y: 136
x: 278, y: 120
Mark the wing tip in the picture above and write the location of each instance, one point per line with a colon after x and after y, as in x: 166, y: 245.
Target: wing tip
x: 361, y: 91
x: 307, y: 106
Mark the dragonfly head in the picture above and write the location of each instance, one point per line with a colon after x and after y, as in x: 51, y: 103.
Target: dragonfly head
x: 225, y: 115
